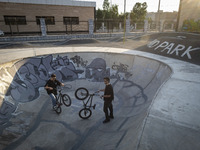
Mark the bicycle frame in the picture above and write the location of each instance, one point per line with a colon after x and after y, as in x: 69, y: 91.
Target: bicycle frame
x: 62, y: 99
x: 58, y: 97
x: 90, y: 99
x: 83, y: 94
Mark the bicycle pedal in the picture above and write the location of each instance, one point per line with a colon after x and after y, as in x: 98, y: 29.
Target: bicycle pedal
x: 94, y: 106
x: 59, y: 104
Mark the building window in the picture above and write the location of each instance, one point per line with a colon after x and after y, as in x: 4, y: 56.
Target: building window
x: 15, y: 20
x: 49, y: 20
x: 71, y: 20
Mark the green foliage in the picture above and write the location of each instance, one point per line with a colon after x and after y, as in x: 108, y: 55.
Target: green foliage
x: 108, y: 12
x: 191, y: 25
x: 114, y: 12
x: 150, y: 20
x: 139, y: 12
x: 106, y: 5
x: 99, y: 14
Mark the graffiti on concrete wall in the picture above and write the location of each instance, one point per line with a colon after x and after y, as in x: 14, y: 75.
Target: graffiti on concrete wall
x: 21, y: 81
x: 121, y: 71
x: 79, y: 61
x: 32, y: 73
x: 97, y: 70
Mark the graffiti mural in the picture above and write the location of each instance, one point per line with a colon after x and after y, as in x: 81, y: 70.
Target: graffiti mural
x: 79, y: 61
x: 122, y: 71
x: 21, y: 82
x: 97, y: 70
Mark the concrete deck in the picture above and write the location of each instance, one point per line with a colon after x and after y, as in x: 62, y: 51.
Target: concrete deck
x: 156, y: 107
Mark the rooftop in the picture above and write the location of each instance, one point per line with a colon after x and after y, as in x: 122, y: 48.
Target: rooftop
x: 53, y: 2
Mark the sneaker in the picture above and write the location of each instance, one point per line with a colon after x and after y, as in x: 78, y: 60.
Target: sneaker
x: 55, y: 107
x: 111, y: 117
x: 107, y: 120
x: 59, y: 104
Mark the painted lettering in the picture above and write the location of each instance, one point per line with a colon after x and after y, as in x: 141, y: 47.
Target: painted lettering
x: 169, y: 48
x: 187, y: 52
x: 164, y: 44
x: 178, y: 48
x: 153, y: 43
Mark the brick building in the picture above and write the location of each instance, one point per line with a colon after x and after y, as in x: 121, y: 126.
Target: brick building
x: 61, y: 16
x: 189, y: 9
x: 167, y: 19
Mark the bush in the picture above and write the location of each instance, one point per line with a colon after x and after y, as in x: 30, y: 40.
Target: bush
x: 191, y: 26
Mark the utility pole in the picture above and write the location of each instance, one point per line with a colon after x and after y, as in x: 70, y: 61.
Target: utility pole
x: 158, y: 17
x: 178, y: 17
x: 124, y: 6
x: 124, y: 20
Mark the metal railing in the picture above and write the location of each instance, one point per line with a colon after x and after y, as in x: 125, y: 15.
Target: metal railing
x: 100, y: 26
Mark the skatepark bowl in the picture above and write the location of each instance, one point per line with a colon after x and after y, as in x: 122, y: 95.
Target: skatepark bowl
x: 144, y: 118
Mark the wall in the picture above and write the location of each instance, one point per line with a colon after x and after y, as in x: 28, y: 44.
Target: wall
x: 190, y: 9
x: 33, y: 10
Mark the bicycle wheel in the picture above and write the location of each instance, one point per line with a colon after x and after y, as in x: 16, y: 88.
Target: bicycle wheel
x: 81, y: 93
x: 66, y: 100
x: 58, y: 110
x: 85, y: 113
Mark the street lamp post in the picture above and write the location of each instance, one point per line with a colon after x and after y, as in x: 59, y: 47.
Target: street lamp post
x: 124, y: 19
x: 178, y: 17
x: 158, y: 19
x: 124, y: 6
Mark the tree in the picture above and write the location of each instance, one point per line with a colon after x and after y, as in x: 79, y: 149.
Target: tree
x: 138, y: 13
x: 106, y: 5
x: 191, y: 25
x: 109, y: 12
x: 114, y: 12
x: 99, y: 14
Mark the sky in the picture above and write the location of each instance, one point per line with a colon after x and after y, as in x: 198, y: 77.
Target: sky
x: 165, y: 5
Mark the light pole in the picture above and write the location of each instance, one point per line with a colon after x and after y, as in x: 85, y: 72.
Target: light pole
x: 178, y: 17
x: 124, y: 19
x: 124, y: 6
x: 158, y: 19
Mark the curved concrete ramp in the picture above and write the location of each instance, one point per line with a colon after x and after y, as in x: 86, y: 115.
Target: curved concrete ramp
x: 28, y: 122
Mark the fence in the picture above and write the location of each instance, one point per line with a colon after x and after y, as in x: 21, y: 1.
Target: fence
x: 109, y: 26
x: 100, y: 26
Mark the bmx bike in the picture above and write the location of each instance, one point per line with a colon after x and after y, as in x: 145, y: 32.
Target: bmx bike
x: 61, y: 99
x: 81, y: 94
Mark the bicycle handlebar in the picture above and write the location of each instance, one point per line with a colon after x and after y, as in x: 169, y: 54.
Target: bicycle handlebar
x: 96, y: 93
x: 60, y: 88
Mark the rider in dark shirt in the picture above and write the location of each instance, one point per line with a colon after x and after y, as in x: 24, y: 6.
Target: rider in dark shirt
x: 108, y: 98
x: 50, y: 86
